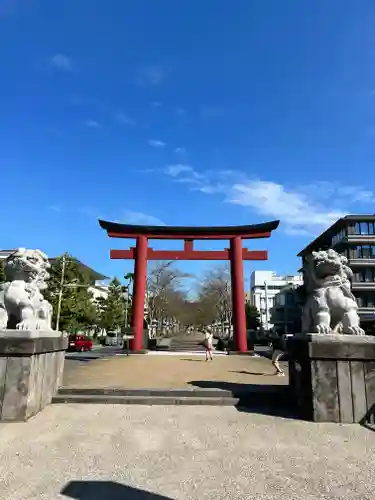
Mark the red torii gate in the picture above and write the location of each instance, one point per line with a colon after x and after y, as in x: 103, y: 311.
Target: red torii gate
x: 236, y: 254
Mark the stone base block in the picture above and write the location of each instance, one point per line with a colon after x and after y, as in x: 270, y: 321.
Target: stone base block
x: 332, y: 377
x: 31, y: 369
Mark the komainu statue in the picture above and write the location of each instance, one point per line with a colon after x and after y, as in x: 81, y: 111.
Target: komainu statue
x: 22, y: 305
x: 330, y: 307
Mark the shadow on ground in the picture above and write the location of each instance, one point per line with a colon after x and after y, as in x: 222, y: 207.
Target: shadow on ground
x: 107, y: 490
x: 246, y: 372
x: 273, y: 400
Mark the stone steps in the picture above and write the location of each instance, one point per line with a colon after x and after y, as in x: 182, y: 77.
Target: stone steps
x: 255, y: 396
x: 187, y: 344
x: 146, y: 400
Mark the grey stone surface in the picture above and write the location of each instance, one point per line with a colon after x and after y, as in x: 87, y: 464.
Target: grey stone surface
x: 31, y: 344
x: 116, y: 452
x: 330, y: 306
x: 333, y: 379
x: 31, y: 371
x: 30, y: 334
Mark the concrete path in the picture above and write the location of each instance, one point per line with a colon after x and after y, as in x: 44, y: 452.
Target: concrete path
x: 169, y: 372
x: 91, y: 452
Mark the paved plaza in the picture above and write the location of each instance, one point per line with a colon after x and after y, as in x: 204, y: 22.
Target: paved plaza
x: 140, y: 371
x: 104, y: 452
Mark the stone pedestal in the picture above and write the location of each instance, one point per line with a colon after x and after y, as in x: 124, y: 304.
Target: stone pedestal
x: 31, y: 368
x: 332, y: 377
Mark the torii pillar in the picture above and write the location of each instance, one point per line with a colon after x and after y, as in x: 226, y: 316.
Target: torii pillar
x: 238, y: 294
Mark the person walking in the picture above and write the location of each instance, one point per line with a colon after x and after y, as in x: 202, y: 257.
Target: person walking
x: 208, y: 343
x: 277, y: 353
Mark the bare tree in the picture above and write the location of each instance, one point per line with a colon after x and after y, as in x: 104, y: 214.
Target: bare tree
x: 214, y: 297
x: 164, y: 296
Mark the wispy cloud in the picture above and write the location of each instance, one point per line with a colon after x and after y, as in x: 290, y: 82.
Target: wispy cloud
x: 184, y: 174
x: 180, y: 151
x: 156, y: 104
x: 156, y: 144
x: 55, y: 208
x: 124, y: 119
x: 131, y: 217
x: 62, y: 62
x: 91, y: 124
x: 151, y: 75
x: 303, y: 210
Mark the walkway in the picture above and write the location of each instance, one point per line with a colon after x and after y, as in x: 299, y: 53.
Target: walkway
x: 168, y: 372
x: 105, y: 452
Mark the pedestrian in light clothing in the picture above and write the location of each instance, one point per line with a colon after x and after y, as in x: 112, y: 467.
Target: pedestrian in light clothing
x: 208, y: 343
x: 278, y: 352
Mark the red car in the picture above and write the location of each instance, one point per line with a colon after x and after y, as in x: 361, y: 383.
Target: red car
x: 79, y: 343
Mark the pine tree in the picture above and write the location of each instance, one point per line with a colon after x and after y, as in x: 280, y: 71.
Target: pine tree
x: 77, y: 308
x: 111, y: 310
x: 2, y: 275
x: 252, y: 317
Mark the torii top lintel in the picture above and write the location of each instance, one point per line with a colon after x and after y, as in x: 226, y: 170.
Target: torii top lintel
x: 254, y: 231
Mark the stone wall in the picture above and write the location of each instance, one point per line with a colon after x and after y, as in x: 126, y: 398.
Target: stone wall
x: 332, y: 377
x: 31, y: 369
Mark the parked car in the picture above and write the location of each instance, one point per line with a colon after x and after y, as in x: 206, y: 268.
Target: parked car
x: 79, y: 343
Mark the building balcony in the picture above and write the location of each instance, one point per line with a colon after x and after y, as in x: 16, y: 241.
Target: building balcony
x: 365, y: 285
x: 362, y: 262
x: 355, y: 239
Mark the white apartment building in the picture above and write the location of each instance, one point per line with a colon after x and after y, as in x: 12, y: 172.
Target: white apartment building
x: 265, y: 285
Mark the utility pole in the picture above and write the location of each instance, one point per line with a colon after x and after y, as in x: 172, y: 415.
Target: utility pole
x: 60, y: 292
x: 266, y: 304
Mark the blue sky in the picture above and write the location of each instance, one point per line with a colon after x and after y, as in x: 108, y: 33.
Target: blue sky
x: 184, y: 113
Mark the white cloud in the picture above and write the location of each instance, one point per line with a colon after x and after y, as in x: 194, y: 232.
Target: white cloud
x: 123, y: 118
x: 175, y: 170
x: 180, y: 151
x: 156, y: 144
x: 151, y: 75
x: 55, y: 208
x: 303, y: 210
x: 273, y: 200
x: 62, y: 62
x: 131, y: 217
x: 91, y: 124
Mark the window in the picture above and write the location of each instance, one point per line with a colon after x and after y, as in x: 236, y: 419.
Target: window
x: 290, y: 299
x: 339, y: 236
x: 366, y: 299
x: 364, y: 252
x: 365, y: 275
x: 364, y: 228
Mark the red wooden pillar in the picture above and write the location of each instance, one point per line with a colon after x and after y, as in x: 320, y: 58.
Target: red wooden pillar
x: 238, y: 294
x: 139, y: 291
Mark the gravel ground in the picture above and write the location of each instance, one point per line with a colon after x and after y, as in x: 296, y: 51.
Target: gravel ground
x: 150, y: 453
x: 171, y: 372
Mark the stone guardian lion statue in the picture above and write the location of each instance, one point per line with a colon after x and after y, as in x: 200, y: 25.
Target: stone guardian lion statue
x: 330, y: 307
x: 22, y: 305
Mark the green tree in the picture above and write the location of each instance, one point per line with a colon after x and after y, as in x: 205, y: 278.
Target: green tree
x: 252, y: 317
x: 78, y: 311
x: 2, y: 275
x: 111, y: 310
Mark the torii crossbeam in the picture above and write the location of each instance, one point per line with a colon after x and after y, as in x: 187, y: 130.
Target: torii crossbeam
x: 235, y: 254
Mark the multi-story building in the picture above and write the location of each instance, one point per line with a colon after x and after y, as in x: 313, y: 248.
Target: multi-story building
x: 265, y: 285
x: 286, y: 314
x: 354, y: 237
